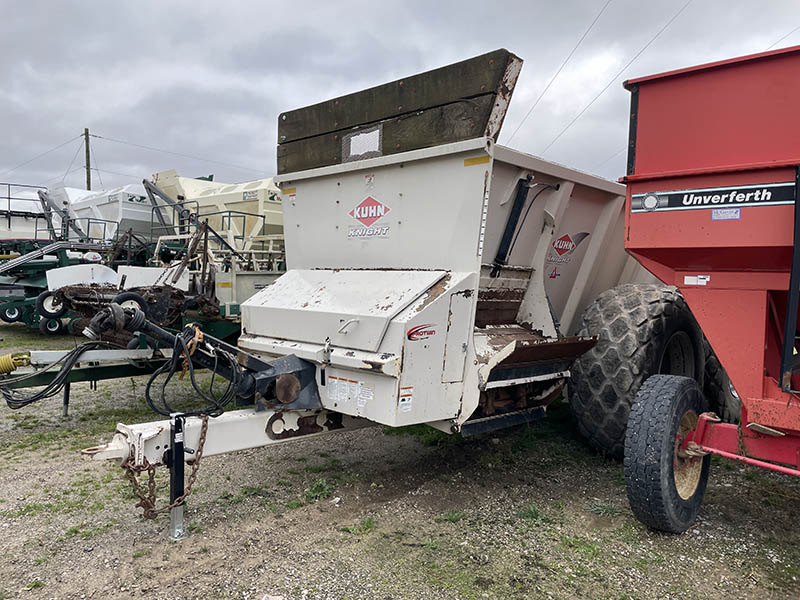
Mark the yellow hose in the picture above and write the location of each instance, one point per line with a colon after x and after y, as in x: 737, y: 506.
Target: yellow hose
x: 9, y: 362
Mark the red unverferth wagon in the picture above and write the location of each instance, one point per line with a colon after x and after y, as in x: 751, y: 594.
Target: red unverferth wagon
x: 712, y: 208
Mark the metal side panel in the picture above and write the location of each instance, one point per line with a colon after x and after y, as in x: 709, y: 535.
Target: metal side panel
x: 77, y: 274
x: 351, y: 308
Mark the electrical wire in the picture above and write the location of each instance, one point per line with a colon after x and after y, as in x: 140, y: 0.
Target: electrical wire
x: 620, y: 72
x: 17, y: 399
x: 30, y: 160
x: 72, y: 162
x: 60, y: 177
x: 139, y: 177
x: 97, y: 168
x: 610, y: 158
x: 783, y: 38
x: 216, y: 406
x: 153, y: 149
x: 563, y: 64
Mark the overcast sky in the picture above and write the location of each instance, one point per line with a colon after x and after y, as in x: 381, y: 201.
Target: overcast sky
x: 208, y: 79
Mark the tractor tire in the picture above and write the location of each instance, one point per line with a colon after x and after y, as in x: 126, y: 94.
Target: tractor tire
x: 664, y: 483
x: 642, y: 330
x: 131, y: 300
x: 11, y: 315
x: 47, y: 307
x: 51, y: 326
x: 720, y: 394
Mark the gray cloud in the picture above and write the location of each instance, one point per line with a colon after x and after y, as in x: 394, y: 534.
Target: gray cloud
x: 209, y: 78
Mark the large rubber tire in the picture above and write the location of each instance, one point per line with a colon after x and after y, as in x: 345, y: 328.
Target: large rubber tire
x: 720, y: 394
x: 642, y: 330
x: 46, y: 307
x: 665, y: 486
x: 11, y: 315
x: 51, y: 326
x: 131, y: 300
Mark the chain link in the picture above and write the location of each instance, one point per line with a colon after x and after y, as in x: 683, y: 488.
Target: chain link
x: 148, y: 502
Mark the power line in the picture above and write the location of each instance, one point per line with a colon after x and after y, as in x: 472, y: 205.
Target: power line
x: 139, y: 177
x: 618, y: 152
x: 610, y: 158
x: 97, y: 168
x: 784, y: 37
x: 151, y: 148
x: 622, y: 70
x: 30, y: 160
x: 74, y: 156
x: 61, y: 178
x: 563, y: 64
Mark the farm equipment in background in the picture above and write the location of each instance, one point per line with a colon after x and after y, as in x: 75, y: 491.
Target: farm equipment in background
x: 59, y: 240
x: 713, y: 208
x: 195, y: 273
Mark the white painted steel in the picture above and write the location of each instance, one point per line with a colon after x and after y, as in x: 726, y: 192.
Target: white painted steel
x: 120, y: 209
x: 355, y: 231
x: 232, y: 431
x: 46, y: 357
x: 351, y: 308
x: 80, y: 274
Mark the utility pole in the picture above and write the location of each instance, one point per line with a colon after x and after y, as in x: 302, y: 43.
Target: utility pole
x: 88, y: 164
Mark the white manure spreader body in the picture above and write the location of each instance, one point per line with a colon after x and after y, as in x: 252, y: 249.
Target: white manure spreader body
x: 432, y: 277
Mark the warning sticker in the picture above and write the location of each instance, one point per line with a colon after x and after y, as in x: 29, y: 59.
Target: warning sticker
x: 406, y: 400
x: 342, y: 390
x: 331, y: 385
x: 365, y: 395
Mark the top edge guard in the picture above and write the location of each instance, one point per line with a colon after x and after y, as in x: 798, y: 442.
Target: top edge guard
x: 492, y: 74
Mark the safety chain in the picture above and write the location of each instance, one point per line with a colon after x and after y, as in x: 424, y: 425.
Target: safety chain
x: 148, y: 502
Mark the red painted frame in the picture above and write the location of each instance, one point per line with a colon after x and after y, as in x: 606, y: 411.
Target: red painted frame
x: 732, y: 123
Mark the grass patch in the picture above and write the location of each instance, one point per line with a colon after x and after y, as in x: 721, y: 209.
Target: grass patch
x: 142, y: 553
x: 426, y: 435
x: 36, y: 583
x: 533, y: 515
x: 320, y: 489
x: 581, y: 545
x: 363, y: 527
x: 451, y: 516
x: 605, y: 509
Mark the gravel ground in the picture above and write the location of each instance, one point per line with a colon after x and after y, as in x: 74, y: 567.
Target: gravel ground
x: 530, y: 513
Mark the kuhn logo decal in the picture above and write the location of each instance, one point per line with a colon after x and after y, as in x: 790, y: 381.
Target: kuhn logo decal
x: 564, y: 246
x: 369, y: 211
x: 420, y: 332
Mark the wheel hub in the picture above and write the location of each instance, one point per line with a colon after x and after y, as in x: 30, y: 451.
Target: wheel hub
x: 686, y: 467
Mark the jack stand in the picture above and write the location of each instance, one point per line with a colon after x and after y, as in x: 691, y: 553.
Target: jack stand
x: 177, y: 530
x: 65, y: 404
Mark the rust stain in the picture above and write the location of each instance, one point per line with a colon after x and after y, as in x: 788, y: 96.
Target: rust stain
x: 434, y: 292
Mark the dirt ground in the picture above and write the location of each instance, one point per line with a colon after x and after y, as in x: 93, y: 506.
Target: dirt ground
x: 369, y: 514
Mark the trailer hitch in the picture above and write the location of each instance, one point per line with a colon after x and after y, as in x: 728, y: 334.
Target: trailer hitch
x: 288, y: 382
